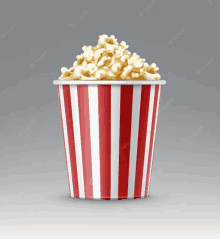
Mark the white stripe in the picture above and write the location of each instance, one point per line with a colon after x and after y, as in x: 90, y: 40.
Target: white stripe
x: 77, y: 138
x: 115, y: 124
x: 134, y: 138
x: 159, y: 94
x: 94, y: 137
x: 150, y: 114
x: 63, y: 114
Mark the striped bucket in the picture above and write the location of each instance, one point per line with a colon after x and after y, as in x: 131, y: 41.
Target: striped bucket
x: 109, y: 130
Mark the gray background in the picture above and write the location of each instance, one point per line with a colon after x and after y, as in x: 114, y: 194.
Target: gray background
x: 37, y: 38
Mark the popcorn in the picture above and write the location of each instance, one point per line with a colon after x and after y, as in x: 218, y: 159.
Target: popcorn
x: 88, y: 56
x: 104, y: 60
x: 138, y: 64
x: 98, y: 53
x: 64, y: 69
x: 100, y: 74
x: 109, y: 74
x: 92, y: 68
x: 116, y: 67
x: 124, y: 58
x: 109, y: 60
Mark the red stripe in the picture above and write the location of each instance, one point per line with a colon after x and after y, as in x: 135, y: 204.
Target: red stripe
x: 63, y: 133
x: 155, y: 134
x: 143, y: 122
x: 124, y: 139
x: 104, y: 101
x: 152, y: 137
x: 70, y: 133
x: 83, y: 99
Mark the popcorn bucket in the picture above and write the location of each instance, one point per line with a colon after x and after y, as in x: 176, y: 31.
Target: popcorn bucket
x: 109, y: 130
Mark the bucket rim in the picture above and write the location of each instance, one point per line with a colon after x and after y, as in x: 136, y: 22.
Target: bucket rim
x: 110, y: 82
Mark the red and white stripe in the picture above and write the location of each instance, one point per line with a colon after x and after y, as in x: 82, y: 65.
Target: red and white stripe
x: 109, y: 137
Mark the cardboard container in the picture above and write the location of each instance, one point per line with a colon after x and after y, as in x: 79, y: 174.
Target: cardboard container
x: 109, y: 131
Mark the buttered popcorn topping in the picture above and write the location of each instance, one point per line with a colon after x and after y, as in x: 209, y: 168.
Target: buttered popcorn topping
x: 109, y: 60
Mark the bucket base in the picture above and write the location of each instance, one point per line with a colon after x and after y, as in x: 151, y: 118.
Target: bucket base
x: 112, y: 199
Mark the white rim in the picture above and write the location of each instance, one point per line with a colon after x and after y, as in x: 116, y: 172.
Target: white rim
x: 110, y: 82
